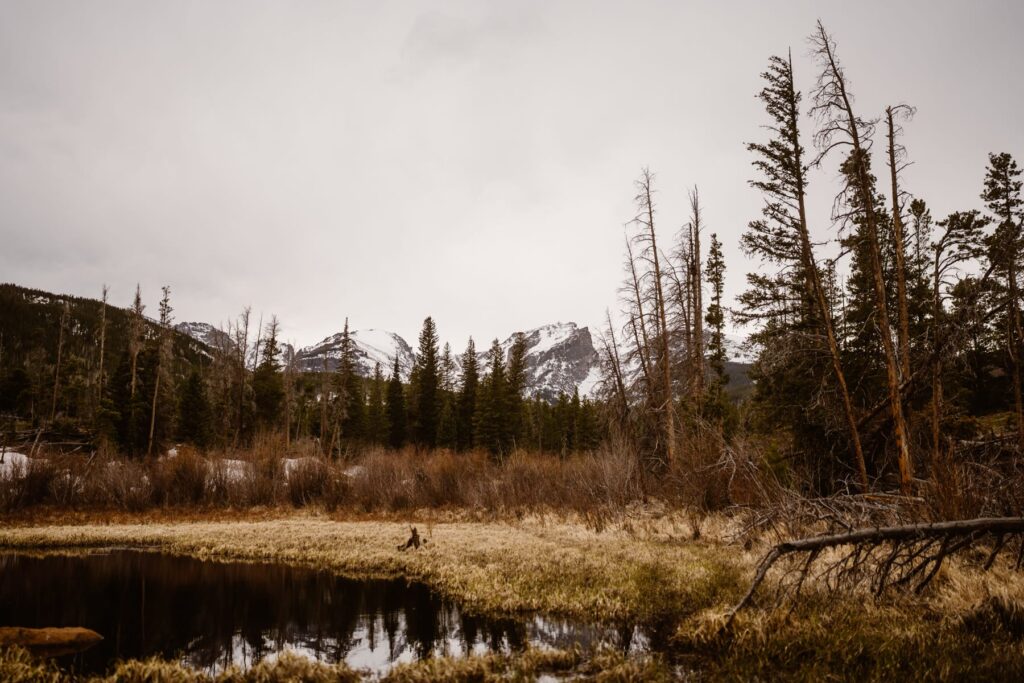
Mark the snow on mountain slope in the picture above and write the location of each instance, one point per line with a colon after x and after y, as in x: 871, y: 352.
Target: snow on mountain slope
x: 559, y: 358
x: 206, y: 333
x: 372, y: 347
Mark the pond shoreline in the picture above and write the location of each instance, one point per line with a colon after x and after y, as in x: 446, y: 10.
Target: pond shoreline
x: 643, y: 571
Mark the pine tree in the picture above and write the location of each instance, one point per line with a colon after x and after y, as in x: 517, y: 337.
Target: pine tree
x: 194, y: 418
x: 466, y: 417
x: 715, y: 318
x: 428, y: 378
x: 396, y: 408
x: 1002, y: 196
x: 798, y: 333
x: 376, y: 416
x: 163, y: 353
x: 350, y: 403
x: 516, y: 386
x: 267, y: 383
x: 491, y: 427
x: 447, y: 426
x: 840, y: 126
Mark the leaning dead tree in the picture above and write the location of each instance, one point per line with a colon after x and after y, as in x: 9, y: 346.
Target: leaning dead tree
x: 841, y: 127
x: 889, y: 557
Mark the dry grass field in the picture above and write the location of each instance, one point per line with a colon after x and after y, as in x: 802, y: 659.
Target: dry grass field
x: 644, y: 568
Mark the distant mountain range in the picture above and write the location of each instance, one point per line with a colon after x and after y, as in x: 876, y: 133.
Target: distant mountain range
x: 560, y: 357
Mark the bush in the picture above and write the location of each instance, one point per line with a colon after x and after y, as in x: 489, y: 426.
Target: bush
x: 181, y: 479
x: 308, y: 478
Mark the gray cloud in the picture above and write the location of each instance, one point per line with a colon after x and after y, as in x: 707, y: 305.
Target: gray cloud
x: 469, y: 160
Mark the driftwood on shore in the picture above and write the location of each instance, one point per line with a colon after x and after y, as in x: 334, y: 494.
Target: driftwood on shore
x: 50, y: 641
x: 892, y: 556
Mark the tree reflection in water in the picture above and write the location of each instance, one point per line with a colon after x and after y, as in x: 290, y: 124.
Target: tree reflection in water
x: 212, y: 614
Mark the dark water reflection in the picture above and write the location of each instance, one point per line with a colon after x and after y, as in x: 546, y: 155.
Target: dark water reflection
x: 211, y: 614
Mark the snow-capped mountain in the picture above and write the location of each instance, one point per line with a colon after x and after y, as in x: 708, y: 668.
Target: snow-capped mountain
x: 372, y: 347
x: 559, y: 358
x: 214, y: 337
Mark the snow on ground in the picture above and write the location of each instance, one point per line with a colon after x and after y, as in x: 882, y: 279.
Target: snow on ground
x: 235, y: 470
x: 13, y: 464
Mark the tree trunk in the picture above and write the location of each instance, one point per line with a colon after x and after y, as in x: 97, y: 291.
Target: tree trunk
x: 901, y: 273
x: 698, y: 302
x: 666, y: 367
x: 824, y: 310
x: 152, y: 412
x: 885, y: 331
x: 103, y: 346
x: 60, y: 351
x: 1013, y: 346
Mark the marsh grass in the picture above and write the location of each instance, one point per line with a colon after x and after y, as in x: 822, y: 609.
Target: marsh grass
x: 969, y: 626
x: 19, y: 666
x: 269, y: 474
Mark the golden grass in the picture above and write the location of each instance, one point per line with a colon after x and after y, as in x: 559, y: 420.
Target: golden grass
x: 969, y: 626
x: 17, y: 665
x: 541, y: 564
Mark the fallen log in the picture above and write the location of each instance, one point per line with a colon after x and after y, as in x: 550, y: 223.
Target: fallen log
x: 49, y: 641
x: 916, y: 550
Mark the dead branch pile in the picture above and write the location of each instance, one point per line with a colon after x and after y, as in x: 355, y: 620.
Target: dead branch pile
x: 890, y: 557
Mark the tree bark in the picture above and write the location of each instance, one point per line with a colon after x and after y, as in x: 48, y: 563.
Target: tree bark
x: 863, y: 184
x: 824, y: 310
x: 901, y: 272
x: 666, y: 366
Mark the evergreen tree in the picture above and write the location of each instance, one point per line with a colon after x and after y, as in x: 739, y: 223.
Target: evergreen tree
x: 715, y: 318
x: 466, y: 417
x: 516, y: 385
x: 396, y: 408
x: 376, y: 415
x: 800, y: 347
x: 350, y: 403
x: 428, y: 379
x: 447, y: 426
x: 162, y: 374
x: 491, y: 429
x: 267, y: 383
x: 194, y: 418
x: 1002, y: 196
x: 447, y: 369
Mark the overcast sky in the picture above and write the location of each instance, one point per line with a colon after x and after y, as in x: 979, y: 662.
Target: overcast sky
x: 473, y: 161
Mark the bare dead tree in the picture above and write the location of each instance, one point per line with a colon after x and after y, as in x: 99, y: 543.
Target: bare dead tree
x: 840, y: 127
x: 162, y: 360
x: 136, y: 332
x: 897, y: 162
x: 696, y: 289
x: 894, y: 556
x: 958, y: 243
x: 64, y: 315
x: 647, y: 238
x: 613, y: 364
x: 782, y: 235
x: 241, y: 348
x: 100, y: 379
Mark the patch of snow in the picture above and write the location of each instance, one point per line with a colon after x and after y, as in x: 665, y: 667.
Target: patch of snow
x: 354, y: 472
x: 13, y: 464
x: 291, y: 464
x: 234, y: 470
x: 551, y: 336
x: 588, y: 387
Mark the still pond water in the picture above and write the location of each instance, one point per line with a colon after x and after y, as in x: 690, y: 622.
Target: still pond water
x: 211, y: 614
